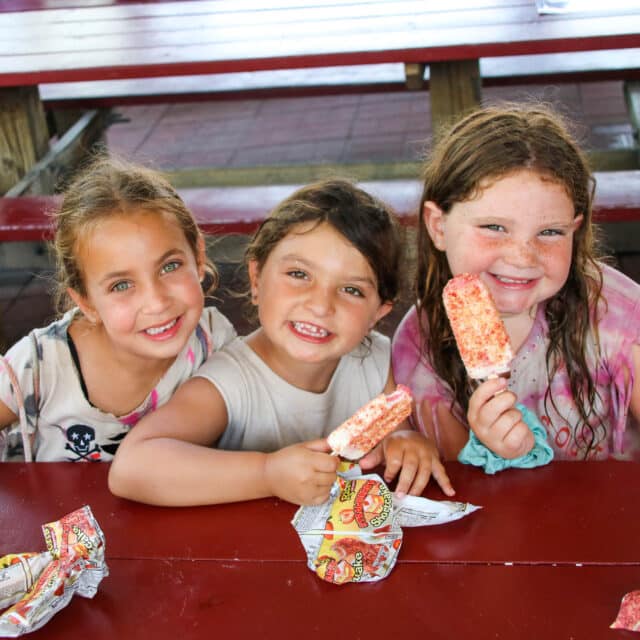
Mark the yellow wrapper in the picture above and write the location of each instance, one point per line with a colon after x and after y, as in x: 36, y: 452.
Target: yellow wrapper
x: 356, y: 535
x: 362, y: 546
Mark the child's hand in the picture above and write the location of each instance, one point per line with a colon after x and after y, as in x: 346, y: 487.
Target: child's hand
x: 301, y: 473
x: 415, y: 456
x: 496, y: 422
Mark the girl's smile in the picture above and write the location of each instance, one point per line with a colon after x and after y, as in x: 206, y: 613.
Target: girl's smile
x: 142, y: 284
x: 517, y: 235
x: 311, y: 332
x: 317, y: 299
x: 165, y: 331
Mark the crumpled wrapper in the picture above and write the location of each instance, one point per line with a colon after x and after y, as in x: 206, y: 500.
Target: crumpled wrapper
x: 356, y: 535
x: 629, y: 613
x: 35, y: 586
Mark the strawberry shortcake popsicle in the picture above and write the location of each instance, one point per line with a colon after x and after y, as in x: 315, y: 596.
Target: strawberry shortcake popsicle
x: 480, y: 334
x: 371, y: 423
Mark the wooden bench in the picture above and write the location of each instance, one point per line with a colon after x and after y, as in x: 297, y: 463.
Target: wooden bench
x: 65, y: 101
x: 169, y: 39
x: 240, y: 210
x: 583, y: 66
x: 222, y: 210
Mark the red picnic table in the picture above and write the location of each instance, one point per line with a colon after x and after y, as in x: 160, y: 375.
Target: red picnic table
x: 550, y: 554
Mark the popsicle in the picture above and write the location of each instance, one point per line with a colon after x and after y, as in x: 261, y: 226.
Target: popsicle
x: 480, y: 334
x: 356, y: 436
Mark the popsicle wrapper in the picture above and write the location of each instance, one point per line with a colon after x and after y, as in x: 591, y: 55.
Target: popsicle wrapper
x: 356, y: 535
x: 629, y: 614
x: 35, y: 586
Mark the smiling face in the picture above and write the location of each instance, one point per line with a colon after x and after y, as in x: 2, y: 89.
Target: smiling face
x: 142, y: 283
x: 317, y: 299
x: 517, y: 235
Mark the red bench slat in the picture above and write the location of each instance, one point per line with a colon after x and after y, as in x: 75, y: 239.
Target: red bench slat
x: 221, y: 210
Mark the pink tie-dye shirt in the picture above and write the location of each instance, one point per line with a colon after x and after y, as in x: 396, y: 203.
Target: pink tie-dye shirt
x: 619, y: 329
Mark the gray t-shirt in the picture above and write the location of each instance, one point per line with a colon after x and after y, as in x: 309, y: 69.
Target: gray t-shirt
x: 267, y: 413
x: 69, y: 428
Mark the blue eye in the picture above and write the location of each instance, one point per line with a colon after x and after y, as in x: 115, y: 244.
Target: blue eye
x: 123, y: 285
x: 171, y: 266
x: 296, y: 273
x: 552, y: 232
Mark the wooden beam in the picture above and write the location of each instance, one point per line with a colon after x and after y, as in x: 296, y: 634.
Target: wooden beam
x: 624, y: 159
x: 414, y: 75
x: 65, y: 155
x: 62, y: 120
x: 632, y: 98
x: 455, y: 91
x: 24, y: 136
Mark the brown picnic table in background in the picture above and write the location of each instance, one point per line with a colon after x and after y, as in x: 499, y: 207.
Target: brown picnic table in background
x: 85, y: 42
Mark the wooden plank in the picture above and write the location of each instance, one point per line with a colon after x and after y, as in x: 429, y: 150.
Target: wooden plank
x: 614, y: 160
x: 580, y: 66
x: 414, y: 75
x: 61, y: 120
x: 478, y: 27
x: 240, y: 209
x: 248, y: 11
x: 24, y: 137
x: 45, y: 175
x: 455, y: 91
x: 43, y: 5
x: 509, y: 70
x: 341, y: 41
x: 632, y: 98
x: 251, y: 27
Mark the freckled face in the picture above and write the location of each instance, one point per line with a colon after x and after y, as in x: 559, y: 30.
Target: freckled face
x: 517, y: 236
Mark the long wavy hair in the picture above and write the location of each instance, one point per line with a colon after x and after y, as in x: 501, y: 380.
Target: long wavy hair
x: 483, y: 147
x: 111, y: 186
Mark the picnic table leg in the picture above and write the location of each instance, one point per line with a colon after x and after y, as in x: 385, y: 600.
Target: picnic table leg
x: 632, y: 98
x: 455, y: 90
x: 24, y: 137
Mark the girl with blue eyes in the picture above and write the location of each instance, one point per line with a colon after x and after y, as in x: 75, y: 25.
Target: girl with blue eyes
x: 130, y: 266
x: 323, y: 270
x: 508, y: 196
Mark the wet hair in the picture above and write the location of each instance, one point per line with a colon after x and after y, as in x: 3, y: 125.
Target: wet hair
x: 483, y: 147
x: 366, y: 222
x: 106, y: 187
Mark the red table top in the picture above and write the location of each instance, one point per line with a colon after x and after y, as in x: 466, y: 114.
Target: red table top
x: 158, y: 39
x: 563, y: 513
x: 207, y: 599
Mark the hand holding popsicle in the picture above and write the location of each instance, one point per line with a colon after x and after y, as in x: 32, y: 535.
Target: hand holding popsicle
x: 497, y: 423
x: 301, y: 473
x: 372, y: 435
x: 485, y: 349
